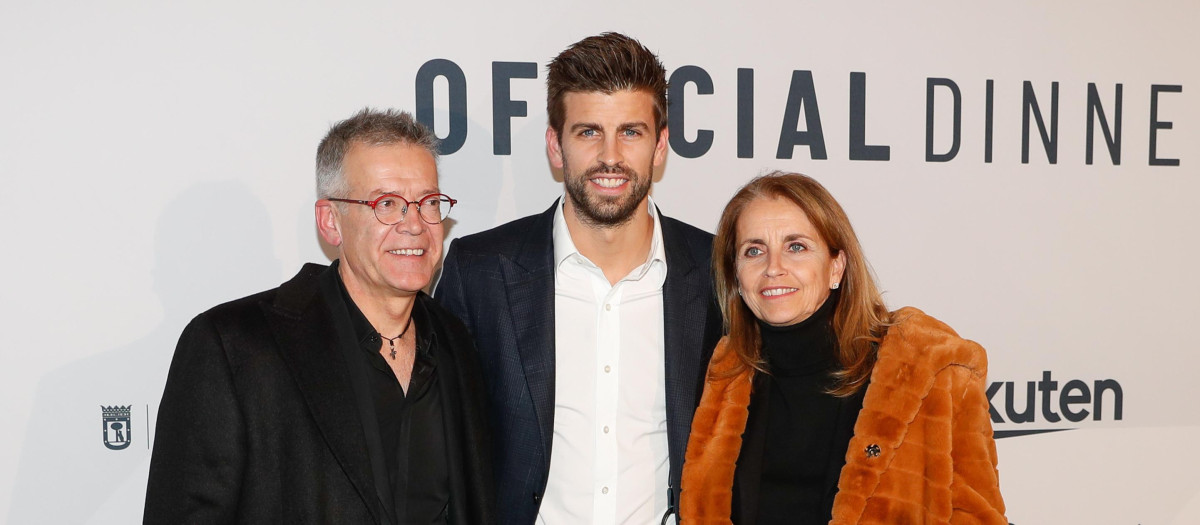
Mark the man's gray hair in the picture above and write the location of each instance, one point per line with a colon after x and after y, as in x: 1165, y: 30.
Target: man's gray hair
x: 370, y: 127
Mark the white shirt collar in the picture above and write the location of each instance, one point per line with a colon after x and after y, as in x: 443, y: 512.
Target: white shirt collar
x: 564, y: 246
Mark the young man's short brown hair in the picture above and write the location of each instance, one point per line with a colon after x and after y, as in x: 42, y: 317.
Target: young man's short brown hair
x: 605, y: 63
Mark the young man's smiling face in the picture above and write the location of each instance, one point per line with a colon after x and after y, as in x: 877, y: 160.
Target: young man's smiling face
x: 608, y: 151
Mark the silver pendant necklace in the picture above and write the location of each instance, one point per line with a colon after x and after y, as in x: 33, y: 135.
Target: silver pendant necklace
x: 392, y: 340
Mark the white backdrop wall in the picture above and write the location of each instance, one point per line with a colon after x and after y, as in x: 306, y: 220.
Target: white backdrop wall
x: 157, y: 159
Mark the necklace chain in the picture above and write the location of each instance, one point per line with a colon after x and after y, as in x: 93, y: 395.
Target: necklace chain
x: 392, y: 340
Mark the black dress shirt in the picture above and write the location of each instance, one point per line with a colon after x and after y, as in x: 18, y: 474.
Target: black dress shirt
x: 405, y: 430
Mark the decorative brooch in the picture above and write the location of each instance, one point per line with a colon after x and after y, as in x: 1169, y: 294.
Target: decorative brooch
x: 873, y: 450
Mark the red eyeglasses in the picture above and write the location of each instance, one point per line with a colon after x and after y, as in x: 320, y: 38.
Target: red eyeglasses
x: 391, y: 209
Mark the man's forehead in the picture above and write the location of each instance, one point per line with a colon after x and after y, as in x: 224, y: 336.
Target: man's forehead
x: 384, y: 168
x: 627, y: 99
x: 360, y: 147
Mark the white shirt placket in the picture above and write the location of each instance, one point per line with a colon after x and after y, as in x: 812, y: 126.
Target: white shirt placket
x: 608, y: 345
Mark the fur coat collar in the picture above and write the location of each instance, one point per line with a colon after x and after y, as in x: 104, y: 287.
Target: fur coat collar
x: 922, y: 450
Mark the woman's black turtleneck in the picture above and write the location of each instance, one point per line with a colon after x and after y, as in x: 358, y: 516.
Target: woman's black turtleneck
x: 807, y: 429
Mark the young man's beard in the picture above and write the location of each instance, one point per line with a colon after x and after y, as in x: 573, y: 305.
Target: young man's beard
x: 606, y: 212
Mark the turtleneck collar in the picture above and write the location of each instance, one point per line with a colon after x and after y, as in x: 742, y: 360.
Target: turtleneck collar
x: 807, y: 347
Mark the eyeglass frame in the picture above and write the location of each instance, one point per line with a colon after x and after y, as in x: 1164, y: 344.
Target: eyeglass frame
x: 403, y: 211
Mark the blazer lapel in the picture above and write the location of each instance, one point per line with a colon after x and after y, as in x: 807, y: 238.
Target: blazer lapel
x: 685, y: 311
x: 461, y: 385
x: 452, y: 413
x: 529, y: 280
x: 302, y: 325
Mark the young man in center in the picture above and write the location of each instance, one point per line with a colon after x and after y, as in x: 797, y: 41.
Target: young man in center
x: 595, y: 319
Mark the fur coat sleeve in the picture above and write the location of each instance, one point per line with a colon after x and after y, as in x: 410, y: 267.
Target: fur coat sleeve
x: 922, y: 450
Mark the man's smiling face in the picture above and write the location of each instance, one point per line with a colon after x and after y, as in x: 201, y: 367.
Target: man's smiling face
x: 381, y: 260
x: 608, y: 151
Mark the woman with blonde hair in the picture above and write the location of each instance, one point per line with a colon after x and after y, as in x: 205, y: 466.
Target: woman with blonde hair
x: 821, y: 406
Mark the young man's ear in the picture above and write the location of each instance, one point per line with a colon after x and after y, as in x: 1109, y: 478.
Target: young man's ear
x: 660, y: 147
x: 553, y: 148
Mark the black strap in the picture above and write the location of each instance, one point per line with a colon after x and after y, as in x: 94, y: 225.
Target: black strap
x: 671, y: 507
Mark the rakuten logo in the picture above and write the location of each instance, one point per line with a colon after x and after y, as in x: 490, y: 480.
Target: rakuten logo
x: 1076, y: 401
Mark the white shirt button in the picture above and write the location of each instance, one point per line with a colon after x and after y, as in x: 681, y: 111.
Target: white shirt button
x: 608, y: 307
x: 604, y: 490
x: 607, y: 369
x: 605, y: 429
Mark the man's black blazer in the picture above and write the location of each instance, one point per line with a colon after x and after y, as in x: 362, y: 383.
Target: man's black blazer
x: 258, y: 422
x: 501, y: 284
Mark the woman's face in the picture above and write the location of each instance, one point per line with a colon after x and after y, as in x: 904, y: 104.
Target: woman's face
x: 785, y: 269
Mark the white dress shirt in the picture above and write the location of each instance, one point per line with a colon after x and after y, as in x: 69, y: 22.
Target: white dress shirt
x: 609, y: 461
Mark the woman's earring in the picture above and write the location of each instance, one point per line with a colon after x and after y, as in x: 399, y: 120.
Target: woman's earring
x: 835, y: 286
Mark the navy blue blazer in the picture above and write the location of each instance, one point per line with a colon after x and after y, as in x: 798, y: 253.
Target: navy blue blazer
x: 501, y: 284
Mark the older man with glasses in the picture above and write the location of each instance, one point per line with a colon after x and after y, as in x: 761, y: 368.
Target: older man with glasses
x: 346, y: 395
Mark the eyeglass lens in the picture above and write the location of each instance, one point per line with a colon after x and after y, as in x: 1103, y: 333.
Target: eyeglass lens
x: 433, y: 209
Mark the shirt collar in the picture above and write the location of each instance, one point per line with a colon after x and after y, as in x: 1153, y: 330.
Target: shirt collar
x: 365, y: 333
x: 564, y: 246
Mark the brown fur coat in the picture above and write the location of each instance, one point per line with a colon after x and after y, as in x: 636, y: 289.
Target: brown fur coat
x: 924, y: 421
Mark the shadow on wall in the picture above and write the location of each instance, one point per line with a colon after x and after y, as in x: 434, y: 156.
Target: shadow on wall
x: 213, y: 243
